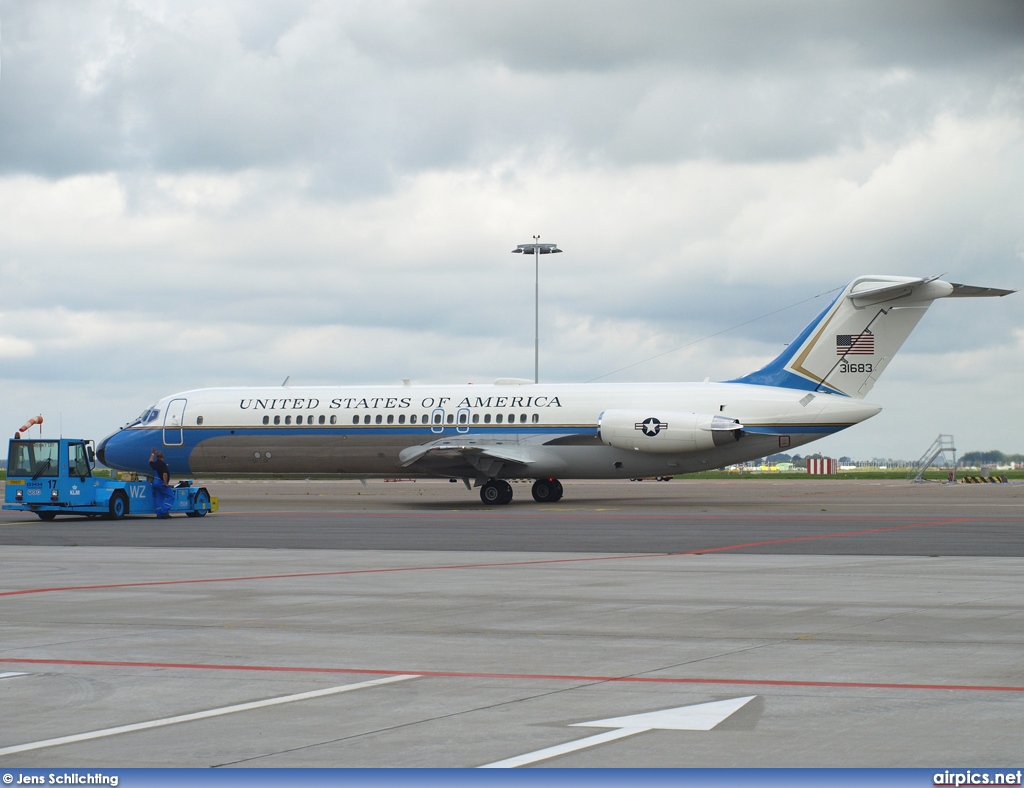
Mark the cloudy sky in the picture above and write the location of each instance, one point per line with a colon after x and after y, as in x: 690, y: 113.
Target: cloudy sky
x: 228, y: 193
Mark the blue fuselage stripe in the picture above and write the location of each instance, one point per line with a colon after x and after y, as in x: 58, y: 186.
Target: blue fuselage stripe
x: 130, y: 448
x: 793, y: 429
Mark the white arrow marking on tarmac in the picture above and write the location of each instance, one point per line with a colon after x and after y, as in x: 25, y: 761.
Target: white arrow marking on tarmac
x: 11, y: 675
x: 702, y: 717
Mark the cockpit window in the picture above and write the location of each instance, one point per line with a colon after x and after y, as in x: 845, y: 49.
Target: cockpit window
x: 148, y: 415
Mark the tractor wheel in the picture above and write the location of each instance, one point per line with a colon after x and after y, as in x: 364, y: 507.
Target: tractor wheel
x: 201, y: 505
x: 118, y: 506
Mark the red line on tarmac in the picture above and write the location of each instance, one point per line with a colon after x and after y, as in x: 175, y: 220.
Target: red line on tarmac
x: 570, y: 515
x: 339, y: 572
x: 513, y: 676
x: 537, y: 562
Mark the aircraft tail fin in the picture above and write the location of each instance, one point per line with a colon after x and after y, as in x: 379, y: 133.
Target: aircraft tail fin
x: 846, y: 348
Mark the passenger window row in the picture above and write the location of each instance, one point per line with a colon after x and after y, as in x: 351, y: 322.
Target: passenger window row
x: 463, y: 418
x: 298, y: 419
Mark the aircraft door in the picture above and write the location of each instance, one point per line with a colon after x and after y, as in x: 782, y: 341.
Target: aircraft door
x: 437, y: 420
x: 462, y: 420
x: 174, y: 418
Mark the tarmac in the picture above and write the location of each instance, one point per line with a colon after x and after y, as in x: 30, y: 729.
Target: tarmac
x: 328, y: 624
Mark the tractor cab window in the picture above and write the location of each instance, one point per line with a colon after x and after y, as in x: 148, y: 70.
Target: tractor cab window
x: 78, y: 461
x: 33, y: 459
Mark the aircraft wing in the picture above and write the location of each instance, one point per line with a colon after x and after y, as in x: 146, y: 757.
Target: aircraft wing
x: 483, y: 456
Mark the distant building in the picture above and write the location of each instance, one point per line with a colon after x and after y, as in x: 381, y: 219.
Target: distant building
x: 825, y: 466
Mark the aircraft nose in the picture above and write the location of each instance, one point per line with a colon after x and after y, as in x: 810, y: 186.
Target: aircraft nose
x: 119, y: 451
x: 108, y: 452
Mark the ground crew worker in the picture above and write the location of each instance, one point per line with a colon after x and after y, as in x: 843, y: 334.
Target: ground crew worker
x: 163, y: 495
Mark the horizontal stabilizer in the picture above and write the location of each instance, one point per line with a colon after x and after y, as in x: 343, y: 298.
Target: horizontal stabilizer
x: 872, y: 291
x: 972, y: 291
x: 846, y: 348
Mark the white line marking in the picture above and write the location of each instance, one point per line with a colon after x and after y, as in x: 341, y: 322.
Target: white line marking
x: 200, y: 715
x: 11, y: 675
x: 562, y: 749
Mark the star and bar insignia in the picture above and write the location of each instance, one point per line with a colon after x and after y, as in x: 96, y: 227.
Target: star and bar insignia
x: 651, y: 426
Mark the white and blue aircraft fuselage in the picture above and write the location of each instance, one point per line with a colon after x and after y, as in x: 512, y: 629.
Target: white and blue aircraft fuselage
x: 485, y: 434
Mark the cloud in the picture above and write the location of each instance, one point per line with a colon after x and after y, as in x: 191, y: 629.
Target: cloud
x: 360, y: 93
x: 13, y: 348
x: 644, y: 242
x: 199, y: 194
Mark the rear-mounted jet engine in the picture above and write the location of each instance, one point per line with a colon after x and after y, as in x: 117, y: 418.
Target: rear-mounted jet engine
x: 666, y: 432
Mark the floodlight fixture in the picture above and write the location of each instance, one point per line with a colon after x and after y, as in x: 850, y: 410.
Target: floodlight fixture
x: 537, y: 249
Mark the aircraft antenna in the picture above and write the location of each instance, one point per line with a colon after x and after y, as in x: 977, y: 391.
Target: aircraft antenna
x: 717, y: 333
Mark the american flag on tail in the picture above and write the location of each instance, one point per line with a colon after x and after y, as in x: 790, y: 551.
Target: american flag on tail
x: 855, y: 344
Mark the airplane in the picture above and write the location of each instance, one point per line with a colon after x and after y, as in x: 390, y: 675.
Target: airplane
x: 487, y: 434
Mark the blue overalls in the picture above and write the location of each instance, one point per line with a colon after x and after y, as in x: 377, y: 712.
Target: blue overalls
x: 163, y: 495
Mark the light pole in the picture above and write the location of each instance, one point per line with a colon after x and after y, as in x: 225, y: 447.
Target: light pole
x: 538, y: 249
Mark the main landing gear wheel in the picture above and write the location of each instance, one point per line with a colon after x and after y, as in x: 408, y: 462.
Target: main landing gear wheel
x: 497, y: 492
x: 547, y: 490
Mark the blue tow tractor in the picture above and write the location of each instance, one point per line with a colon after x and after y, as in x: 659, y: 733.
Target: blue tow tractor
x: 51, y: 477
